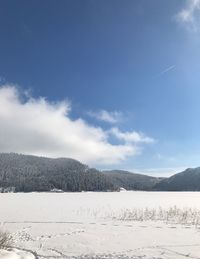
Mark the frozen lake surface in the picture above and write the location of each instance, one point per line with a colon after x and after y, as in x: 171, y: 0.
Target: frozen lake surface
x: 90, y: 225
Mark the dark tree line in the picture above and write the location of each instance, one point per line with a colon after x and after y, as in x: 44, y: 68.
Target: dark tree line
x: 30, y: 173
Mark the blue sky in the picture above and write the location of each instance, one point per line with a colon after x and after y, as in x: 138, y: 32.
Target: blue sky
x: 124, y: 72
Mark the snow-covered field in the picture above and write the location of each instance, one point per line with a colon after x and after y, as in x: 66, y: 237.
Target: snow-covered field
x: 149, y: 225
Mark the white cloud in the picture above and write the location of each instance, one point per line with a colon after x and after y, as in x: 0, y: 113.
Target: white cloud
x: 130, y: 137
x: 110, y: 117
x: 189, y: 15
x: 39, y: 127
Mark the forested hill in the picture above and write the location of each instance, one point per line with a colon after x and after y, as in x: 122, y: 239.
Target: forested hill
x: 30, y: 173
x: 132, y: 181
x: 188, y: 180
x: 25, y: 173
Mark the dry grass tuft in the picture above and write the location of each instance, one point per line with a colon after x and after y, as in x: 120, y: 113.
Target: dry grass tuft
x: 185, y: 216
x: 5, y: 240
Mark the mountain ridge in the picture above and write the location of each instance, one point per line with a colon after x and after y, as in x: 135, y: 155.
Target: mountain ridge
x: 27, y: 173
x: 187, y: 180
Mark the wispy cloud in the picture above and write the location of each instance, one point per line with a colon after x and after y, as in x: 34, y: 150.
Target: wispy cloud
x: 164, y: 157
x: 166, y: 70
x: 189, y: 15
x: 39, y: 127
x: 131, y: 137
x: 106, y: 116
x: 2, y: 79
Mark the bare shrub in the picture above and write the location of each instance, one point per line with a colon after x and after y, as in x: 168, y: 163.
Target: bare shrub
x: 185, y: 216
x: 5, y: 240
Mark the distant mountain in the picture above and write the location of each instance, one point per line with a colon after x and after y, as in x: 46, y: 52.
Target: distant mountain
x: 132, y: 181
x: 188, y: 180
x: 25, y: 173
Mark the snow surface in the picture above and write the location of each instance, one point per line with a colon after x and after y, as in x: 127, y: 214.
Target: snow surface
x: 87, y: 225
x: 16, y: 254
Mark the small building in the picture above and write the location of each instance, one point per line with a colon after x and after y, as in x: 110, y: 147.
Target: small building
x: 56, y: 190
